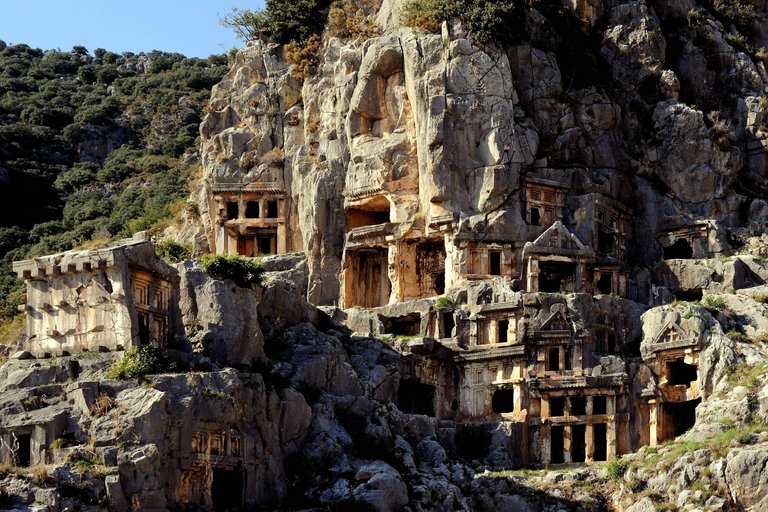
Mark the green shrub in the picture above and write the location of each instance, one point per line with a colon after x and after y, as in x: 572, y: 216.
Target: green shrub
x: 173, y: 252
x: 713, y: 302
x: 617, y: 468
x: 486, y: 20
x: 443, y: 303
x: 281, y: 21
x: 239, y: 269
x: 143, y: 360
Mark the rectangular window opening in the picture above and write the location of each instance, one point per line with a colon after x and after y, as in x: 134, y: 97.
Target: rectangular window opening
x: 232, y: 211
x: 495, y: 263
x: 252, y: 210
x: 272, y: 209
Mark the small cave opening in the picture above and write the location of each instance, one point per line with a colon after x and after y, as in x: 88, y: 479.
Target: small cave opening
x: 680, y: 250
x: 473, y: 442
x: 503, y: 401
x: 557, y: 406
x: 600, y: 436
x: 605, y: 284
x: 648, y: 89
x: 374, y: 211
x: 578, y: 443
x: 679, y: 417
x: 680, y: 373
x: 407, y: 325
x: 414, y: 397
x: 599, y: 404
x: 693, y: 295
x: 578, y: 405
x: 557, y: 444
x: 553, y: 276
x: 24, y: 453
x: 227, y: 490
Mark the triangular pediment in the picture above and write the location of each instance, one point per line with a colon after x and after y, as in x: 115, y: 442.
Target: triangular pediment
x: 556, y: 322
x: 672, y: 332
x: 557, y: 236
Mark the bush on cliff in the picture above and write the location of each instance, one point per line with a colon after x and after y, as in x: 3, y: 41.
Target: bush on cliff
x: 486, y: 20
x: 242, y: 271
x: 138, y: 362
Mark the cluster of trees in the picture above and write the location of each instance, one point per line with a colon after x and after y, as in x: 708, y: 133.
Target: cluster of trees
x: 90, y: 146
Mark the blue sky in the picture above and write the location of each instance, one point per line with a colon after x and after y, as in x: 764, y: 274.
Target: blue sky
x: 190, y: 27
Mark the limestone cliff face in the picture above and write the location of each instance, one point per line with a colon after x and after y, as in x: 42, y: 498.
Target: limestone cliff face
x: 637, y: 101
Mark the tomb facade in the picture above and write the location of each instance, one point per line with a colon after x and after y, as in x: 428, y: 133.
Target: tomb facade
x: 99, y: 300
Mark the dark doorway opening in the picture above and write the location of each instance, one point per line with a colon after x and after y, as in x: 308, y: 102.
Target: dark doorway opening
x: 448, y: 323
x: 503, y: 331
x: 439, y: 279
x: 600, y: 434
x: 473, y: 442
x: 578, y: 405
x: 553, y: 359
x: 680, y: 373
x: 143, y: 319
x: 605, y: 242
x: 503, y: 401
x: 681, y: 249
x: 557, y: 406
x: 266, y: 244
x: 553, y: 276
x: 694, y: 295
x: 495, y: 263
x: 605, y: 284
x: 568, y: 358
x: 578, y: 443
x: 599, y: 404
x: 680, y: 417
x: 535, y: 217
x: 272, y: 209
x: 227, y: 490
x: 24, y: 453
x: 557, y: 451
x: 408, y: 325
x: 413, y: 397
x: 231, y: 211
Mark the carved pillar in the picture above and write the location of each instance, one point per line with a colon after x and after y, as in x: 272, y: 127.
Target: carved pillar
x: 654, y: 422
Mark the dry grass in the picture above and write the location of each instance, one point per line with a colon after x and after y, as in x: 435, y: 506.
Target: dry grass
x: 12, y: 329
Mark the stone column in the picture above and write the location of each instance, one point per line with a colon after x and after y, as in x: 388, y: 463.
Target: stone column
x: 567, y: 443
x: 654, y: 422
x: 221, y: 239
x: 532, y: 280
x: 589, y: 438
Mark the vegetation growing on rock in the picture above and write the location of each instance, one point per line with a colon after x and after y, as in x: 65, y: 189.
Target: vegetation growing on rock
x: 239, y: 269
x: 90, y: 146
